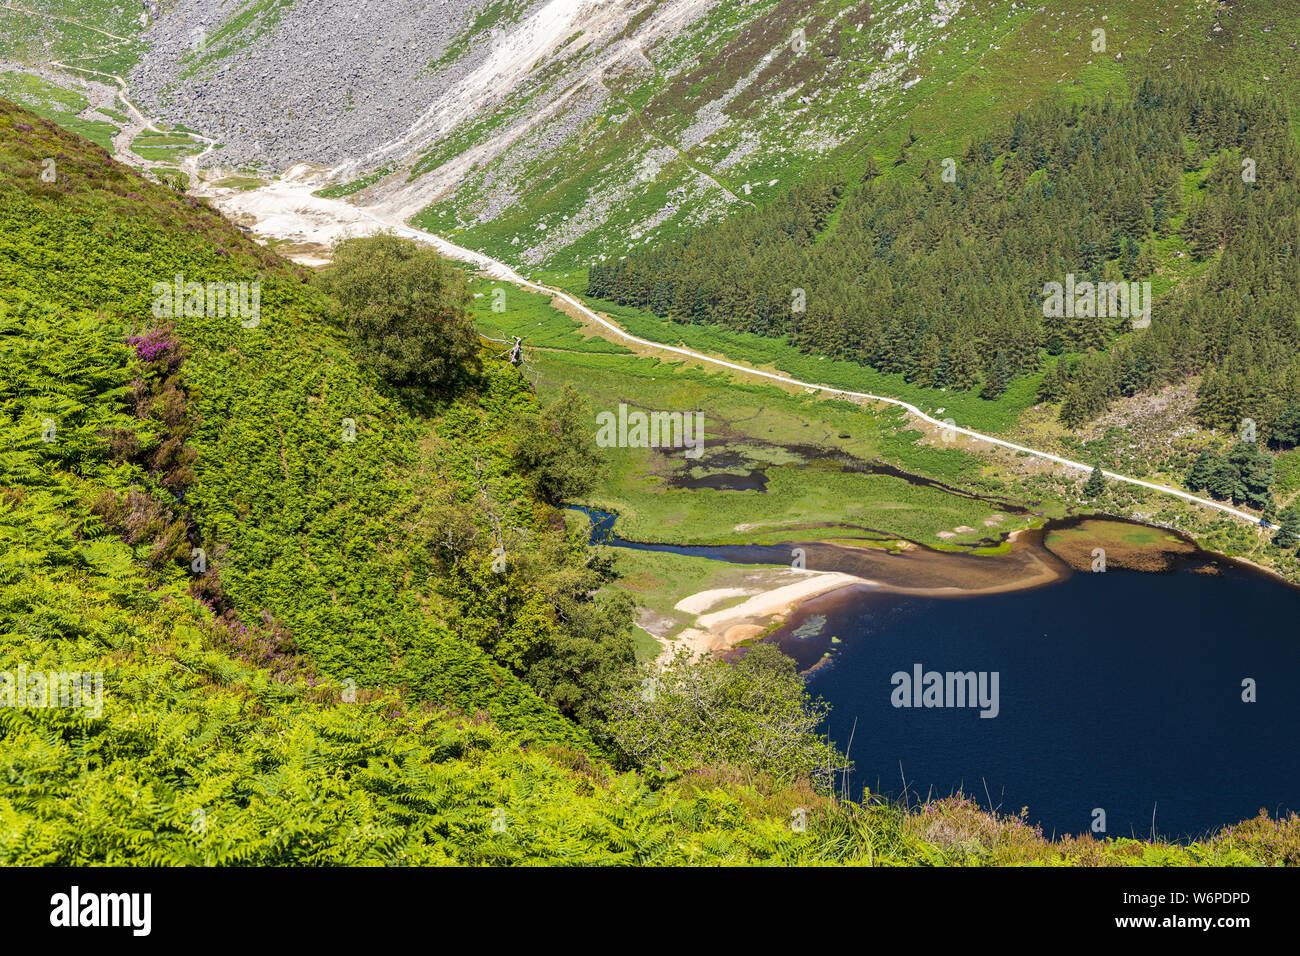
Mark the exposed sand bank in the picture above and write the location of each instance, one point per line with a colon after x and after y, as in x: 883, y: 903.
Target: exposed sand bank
x: 944, y: 573
x: 701, y: 602
x: 917, y: 571
x: 719, y: 631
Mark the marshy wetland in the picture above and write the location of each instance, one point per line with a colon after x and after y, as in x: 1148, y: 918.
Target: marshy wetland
x: 865, y: 548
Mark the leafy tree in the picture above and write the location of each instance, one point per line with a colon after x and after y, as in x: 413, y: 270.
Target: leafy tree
x: 558, y: 448
x: 753, y: 715
x: 405, y: 309
x: 589, y: 655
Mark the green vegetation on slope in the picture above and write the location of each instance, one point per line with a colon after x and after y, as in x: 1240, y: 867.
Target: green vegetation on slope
x: 56, y: 103
x: 736, y: 100
x: 95, y: 34
x: 303, y: 517
x: 301, y: 701
x: 943, y: 280
x: 813, y: 454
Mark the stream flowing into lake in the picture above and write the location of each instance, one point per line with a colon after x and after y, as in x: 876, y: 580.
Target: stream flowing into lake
x: 1117, y: 693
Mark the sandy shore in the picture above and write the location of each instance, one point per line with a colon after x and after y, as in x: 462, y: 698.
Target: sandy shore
x: 718, y: 631
x: 773, y: 596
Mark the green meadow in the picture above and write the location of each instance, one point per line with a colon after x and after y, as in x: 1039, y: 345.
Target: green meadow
x: 749, y: 426
x: 56, y: 104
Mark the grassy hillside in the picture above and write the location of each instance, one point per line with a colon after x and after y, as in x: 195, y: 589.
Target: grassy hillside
x: 942, y: 281
x: 297, y: 524
x: 732, y: 104
x: 302, y: 700
x: 63, y: 105
x: 623, y: 136
x: 99, y: 35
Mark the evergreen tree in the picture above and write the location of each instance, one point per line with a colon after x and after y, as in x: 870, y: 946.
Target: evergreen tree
x: 1254, y: 468
x: 941, y: 367
x: 1095, y: 486
x: 964, y: 368
x: 1286, y: 429
x: 891, y: 357
x: 1268, y: 514
x: 1199, y: 475
x: 700, y: 310
x: 998, y: 378
x: 1288, y: 533
x: 1052, y: 388
x: 661, y: 300
x: 1073, y: 409
x: 1224, y: 482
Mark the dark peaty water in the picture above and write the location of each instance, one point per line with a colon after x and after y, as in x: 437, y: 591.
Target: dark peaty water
x: 1120, y: 691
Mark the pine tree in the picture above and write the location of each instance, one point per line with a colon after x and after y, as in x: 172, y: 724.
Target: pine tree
x: 1201, y: 469
x: 1268, y: 513
x: 1254, y: 468
x: 700, y: 310
x: 1224, y: 482
x: 1052, y: 388
x: 1095, y: 486
x: 923, y: 359
x: 1288, y: 534
x: 964, y: 367
x: 1073, y: 410
x: 941, y: 367
x: 1286, y: 430
x: 661, y: 301
x: 890, y: 356
x: 1146, y: 261
x: 998, y: 378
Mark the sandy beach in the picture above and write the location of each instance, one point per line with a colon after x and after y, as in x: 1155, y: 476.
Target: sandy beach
x: 726, y: 617
x: 720, y: 630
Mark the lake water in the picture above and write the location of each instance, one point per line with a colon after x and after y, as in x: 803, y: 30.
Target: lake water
x: 1119, y: 691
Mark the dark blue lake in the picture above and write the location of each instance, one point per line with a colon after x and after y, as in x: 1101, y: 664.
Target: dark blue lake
x: 1120, y: 691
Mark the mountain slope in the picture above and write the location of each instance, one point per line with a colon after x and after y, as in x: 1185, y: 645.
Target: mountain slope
x: 300, y: 526
x: 315, y: 696
x: 521, y: 128
x: 558, y: 131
